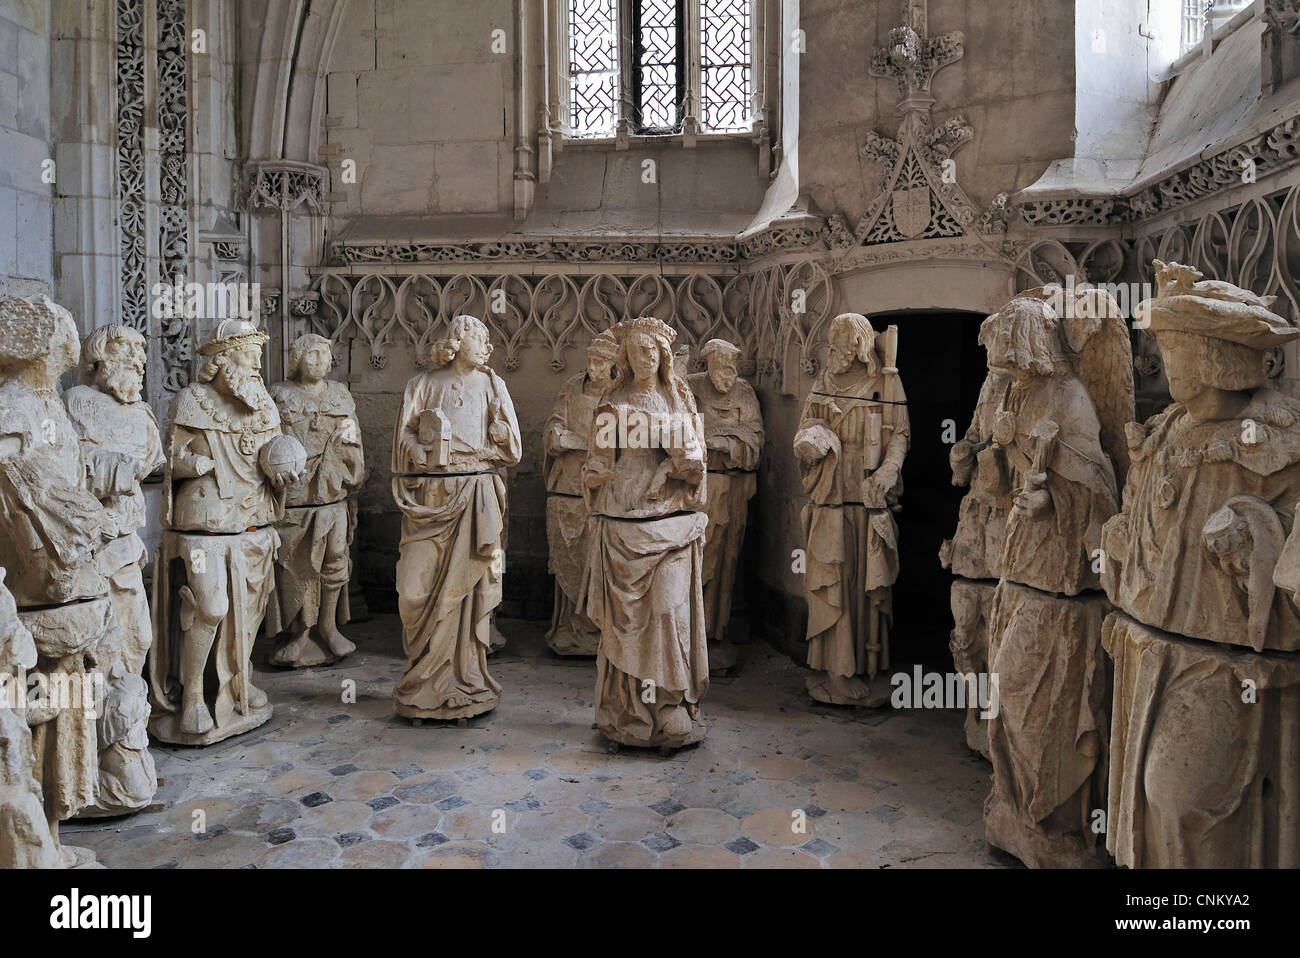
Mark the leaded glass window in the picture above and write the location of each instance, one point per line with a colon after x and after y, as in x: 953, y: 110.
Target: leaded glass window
x: 676, y: 58
x: 726, y: 69
x: 593, y: 67
x: 658, y: 64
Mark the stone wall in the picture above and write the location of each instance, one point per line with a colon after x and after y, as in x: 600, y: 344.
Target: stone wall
x: 26, y: 211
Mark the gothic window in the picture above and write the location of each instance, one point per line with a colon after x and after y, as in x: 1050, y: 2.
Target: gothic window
x: 726, y: 65
x: 593, y: 67
x: 658, y: 64
x: 661, y: 65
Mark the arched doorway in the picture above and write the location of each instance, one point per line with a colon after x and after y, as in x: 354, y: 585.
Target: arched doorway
x: 942, y: 367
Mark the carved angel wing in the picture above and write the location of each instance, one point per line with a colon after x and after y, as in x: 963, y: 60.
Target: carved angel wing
x: 1096, y: 330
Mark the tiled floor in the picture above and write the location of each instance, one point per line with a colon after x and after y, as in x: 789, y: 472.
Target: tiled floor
x: 531, y: 785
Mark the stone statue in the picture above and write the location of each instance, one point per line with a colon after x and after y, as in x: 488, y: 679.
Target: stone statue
x: 644, y: 480
x: 733, y: 440
x: 852, y: 439
x: 1068, y: 391
x: 27, y: 838
x: 456, y: 428
x: 228, y: 468
x: 565, y: 440
x: 313, y: 565
x: 1203, y: 564
x: 972, y: 553
x: 58, y: 545
x: 120, y: 445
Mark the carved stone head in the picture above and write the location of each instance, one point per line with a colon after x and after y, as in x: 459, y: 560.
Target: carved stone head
x: 602, y: 353
x: 112, y: 361
x: 852, y: 339
x: 723, y: 361
x: 37, y: 333
x: 1213, y: 336
x: 1025, y: 338
x: 234, y: 362
x: 645, y: 350
x: 310, y: 358
x: 469, y: 338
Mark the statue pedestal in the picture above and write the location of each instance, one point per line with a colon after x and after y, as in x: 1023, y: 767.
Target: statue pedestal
x: 166, y: 728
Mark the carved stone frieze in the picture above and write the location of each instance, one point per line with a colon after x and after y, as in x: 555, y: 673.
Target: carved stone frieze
x: 133, y: 243
x: 1269, y: 152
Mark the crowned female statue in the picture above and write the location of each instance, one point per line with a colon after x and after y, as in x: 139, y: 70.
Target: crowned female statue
x: 644, y: 481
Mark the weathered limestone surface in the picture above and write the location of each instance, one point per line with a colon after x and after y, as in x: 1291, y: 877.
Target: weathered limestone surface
x: 568, y: 522
x: 57, y: 546
x: 228, y: 466
x: 1202, y: 565
x: 645, y: 483
x: 314, y: 561
x: 972, y: 608
x: 27, y: 838
x: 456, y: 430
x: 733, y: 441
x: 120, y: 446
x: 853, y: 436
x: 1067, y: 393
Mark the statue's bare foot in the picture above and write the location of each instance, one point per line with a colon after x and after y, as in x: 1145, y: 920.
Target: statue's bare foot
x: 339, y: 644
x: 291, y: 652
x: 845, y: 690
x: 256, y: 697
x: 196, y: 719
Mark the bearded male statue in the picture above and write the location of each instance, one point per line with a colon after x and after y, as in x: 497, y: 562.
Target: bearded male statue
x: 228, y: 467
x: 120, y: 446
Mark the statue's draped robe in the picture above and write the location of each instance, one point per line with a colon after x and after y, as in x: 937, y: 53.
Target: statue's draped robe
x: 316, y: 508
x: 1191, y: 694
x: 121, y: 446
x: 643, y: 585
x: 223, y: 520
x: 852, y: 551
x: 567, y: 520
x: 450, y: 568
x: 25, y: 838
x: 975, y: 550
x: 733, y: 479
x: 1048, y: 741
x: 976, y: 546
x: 52, y: 530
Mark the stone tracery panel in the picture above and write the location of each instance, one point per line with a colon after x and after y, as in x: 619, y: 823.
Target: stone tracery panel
x: 173, y: 148
x: 131, y: 192
x: 555, y: 310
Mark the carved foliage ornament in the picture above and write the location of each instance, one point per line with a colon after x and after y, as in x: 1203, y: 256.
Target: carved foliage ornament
x: 920, y: 198
x: 173, y: 219
x: 777, y: 239
x: 1267, y: 153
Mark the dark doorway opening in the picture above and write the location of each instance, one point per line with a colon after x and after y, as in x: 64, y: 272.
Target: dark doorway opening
x: 942, y: 367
